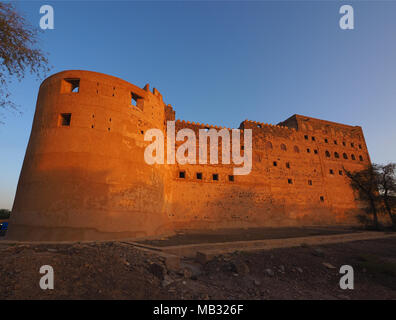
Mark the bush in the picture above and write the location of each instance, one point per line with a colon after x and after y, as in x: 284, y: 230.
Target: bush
x: 5, y: 213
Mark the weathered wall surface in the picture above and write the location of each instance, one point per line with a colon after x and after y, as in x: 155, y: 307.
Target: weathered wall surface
x: 84, y: 174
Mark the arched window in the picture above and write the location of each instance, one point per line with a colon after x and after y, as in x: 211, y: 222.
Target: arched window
x: 283, y: 147
x: 345, y: 155
x: 336, y: 155
x: 296, y: 149
x: 361, y: 158
x: 327, y: 153
x: 353, y: 157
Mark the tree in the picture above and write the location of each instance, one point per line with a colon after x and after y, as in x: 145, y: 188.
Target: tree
x: 18, y: 52
x: 386, y: 180
x: 366, y: 184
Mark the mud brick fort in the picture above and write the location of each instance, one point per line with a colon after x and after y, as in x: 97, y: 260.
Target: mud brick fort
x: 84, y: 174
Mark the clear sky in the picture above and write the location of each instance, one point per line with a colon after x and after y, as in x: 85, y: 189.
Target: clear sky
x: 223, y: 62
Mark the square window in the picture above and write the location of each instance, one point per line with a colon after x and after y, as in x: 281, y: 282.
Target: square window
x: 306, y: 137
x: 215, y: 177
x: 331, y: 171
x: 289, y: 181
x: 70, y: 85
x: 231, y: 178
x: 64, y: 120
x: 308, y: 150
x: 182, y: 174
x: 275, y: 163
x: 199, y: 175
x: 316, y: 151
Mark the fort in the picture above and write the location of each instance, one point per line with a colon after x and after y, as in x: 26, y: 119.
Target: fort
x: 84, y: 174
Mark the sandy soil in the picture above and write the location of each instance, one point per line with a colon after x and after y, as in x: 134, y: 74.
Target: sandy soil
x: 114, y: 270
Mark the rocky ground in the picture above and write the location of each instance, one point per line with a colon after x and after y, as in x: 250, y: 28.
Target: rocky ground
x: 115, y: 270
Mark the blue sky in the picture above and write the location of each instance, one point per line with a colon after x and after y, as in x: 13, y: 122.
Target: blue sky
x: 223, y: 62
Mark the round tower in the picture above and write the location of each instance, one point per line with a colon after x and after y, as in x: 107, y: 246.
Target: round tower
x: 84, y: 174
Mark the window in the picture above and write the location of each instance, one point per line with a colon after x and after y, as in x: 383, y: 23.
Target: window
x: 326, y: 141
x: 315, y: 151
x: 310, y: 182
x: 343, y: 143
x: 231, y: 178
x: 182, y: 174
x: 288, y: 165
x: 360, y: 146
x: 327, y: 153
x: 345, y: 156
x: 352, y: 144
x: 306, y: 137
x: 289, y: 181
x: 340, y: 172
x: 199, y: 175
x: 335, y: 141
x: 321, y: 198
x: 215, y: 177
x: 331, y: 171
x: 296, y: 149
x: 336, y: 155
x: 283, y: 147
x: 353, y: 157
x: 70, y: 85
x: 64, y: 120
x: 275, y: 163
x: 308, y: 150
x: 313, y: 138
x: 360, y: 158
x: 268, y: 145
x: 135, y: 101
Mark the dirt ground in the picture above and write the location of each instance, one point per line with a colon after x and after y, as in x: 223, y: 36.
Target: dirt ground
x: 115, y: 270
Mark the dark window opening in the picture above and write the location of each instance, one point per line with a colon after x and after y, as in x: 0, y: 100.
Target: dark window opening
x: 327, y: 154
x: 321, y: 198
x: 340, y: 172
x: 182, y: 174
x: 231, y: 178
x: 64, y: 119
x: 336, y: 155
x: 326, y: 141
x: 199, y: 175
x: 283, y: 147
x: 316, y: 151
x: 308, y: 150
x: 296, y: 149
x: 313, y: 138
x: 343, y: 143
x: 306, y: 137
x: 353, y: 157
x: 335, y: 141
x: 360, y: 146
x: 345, y: 156
x: 331, y: 171
x: 71, y: 85
x: 289, y: 181
x: 360, y: 158
x: 275, y: 163
x: 136, y: 101
x: 215, y: 177
x: 352, y: 144
x: 288, y: 165
x: 310, y: 182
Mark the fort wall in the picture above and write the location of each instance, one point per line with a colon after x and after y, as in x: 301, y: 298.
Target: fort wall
x: 84, y: 174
